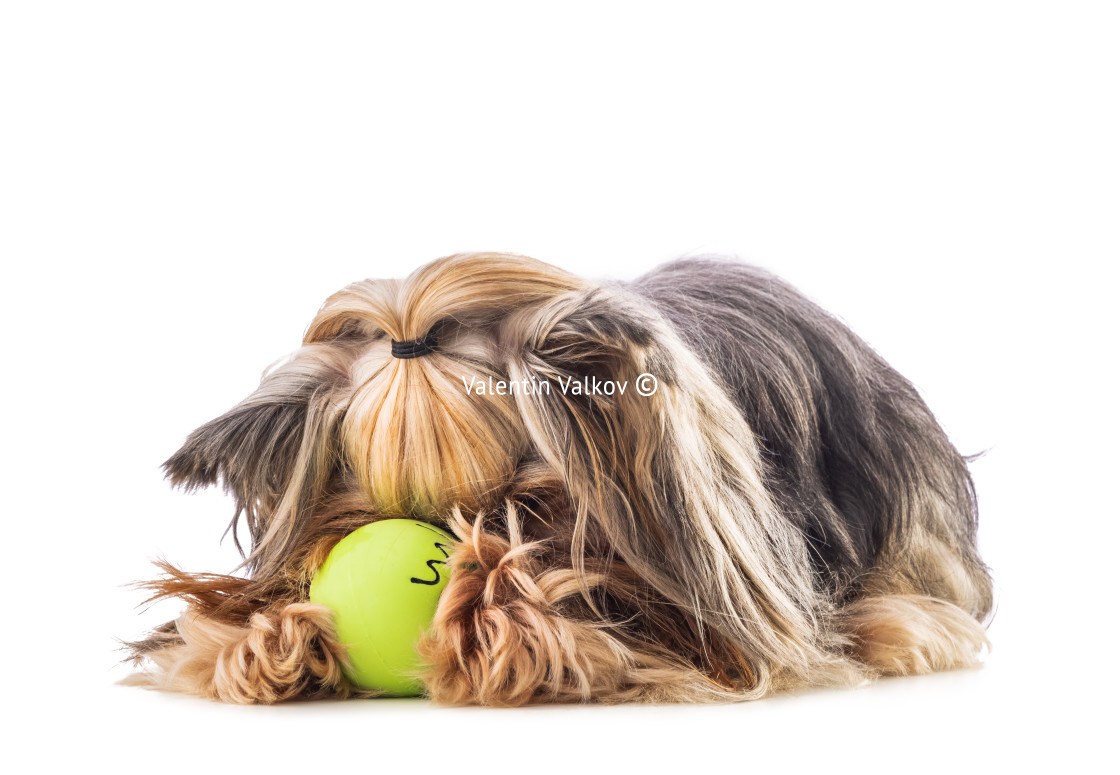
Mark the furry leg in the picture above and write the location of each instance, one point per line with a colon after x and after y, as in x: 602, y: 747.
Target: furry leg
x: 282, y: 652
x: 505, y: 635
x: 911, y: 634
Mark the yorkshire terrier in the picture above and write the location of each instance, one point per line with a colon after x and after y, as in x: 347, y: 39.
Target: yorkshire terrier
x: 698, y: 486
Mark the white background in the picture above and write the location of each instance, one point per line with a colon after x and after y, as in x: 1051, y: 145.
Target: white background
x: 181, y: 185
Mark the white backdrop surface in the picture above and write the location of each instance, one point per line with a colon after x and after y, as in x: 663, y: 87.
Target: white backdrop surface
x: 181, y: 185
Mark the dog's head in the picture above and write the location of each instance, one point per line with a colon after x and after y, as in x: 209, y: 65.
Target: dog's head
x: 418, y: 431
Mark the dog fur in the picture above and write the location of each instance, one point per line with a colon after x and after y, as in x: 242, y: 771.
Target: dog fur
x: 784, y: 511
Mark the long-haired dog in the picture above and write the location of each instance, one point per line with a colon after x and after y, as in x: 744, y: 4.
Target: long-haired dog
x: 756, y: 502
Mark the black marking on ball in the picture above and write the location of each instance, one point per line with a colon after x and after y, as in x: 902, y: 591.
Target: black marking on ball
x: 432, y: 566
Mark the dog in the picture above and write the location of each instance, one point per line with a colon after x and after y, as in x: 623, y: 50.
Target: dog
x: 697, y: 486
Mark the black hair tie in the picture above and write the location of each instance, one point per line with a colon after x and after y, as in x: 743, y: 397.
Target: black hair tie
x: 415, y: 347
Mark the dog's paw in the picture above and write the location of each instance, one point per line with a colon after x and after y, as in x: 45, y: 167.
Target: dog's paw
x: 912, y: 635
x: 290, y: 652
x: 500, y: 636
x: 283, y: 652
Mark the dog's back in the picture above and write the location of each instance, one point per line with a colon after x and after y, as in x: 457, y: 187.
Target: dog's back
x: 854, y: 453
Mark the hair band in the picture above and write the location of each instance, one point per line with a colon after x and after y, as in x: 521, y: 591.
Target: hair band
x: 414, y: 348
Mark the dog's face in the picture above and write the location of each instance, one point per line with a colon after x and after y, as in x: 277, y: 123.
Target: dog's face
x: 415, y: 440
x: 344, y: 417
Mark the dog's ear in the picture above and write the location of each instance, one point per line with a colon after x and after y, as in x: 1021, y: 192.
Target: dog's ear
x: 273, y: 451
x: 672, y: 478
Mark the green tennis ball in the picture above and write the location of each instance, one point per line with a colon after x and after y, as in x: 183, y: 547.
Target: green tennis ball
x: 383, y: 582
